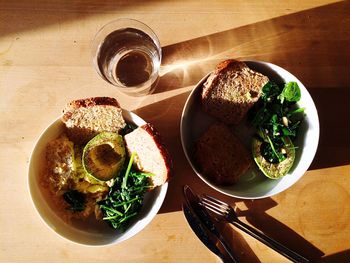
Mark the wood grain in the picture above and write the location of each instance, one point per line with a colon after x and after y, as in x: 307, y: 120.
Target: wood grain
x: 45, y: 62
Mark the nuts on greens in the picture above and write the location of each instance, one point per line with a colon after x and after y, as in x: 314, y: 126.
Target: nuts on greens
x: 276, y: 120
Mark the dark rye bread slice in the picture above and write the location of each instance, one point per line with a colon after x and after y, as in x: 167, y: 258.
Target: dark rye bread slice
x: 231, y: 90
x: 151, y: 154
x: 221, y: 156
x: 85, y: 118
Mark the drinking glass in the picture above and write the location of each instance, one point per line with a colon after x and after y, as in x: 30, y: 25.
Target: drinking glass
x: 127, y: 54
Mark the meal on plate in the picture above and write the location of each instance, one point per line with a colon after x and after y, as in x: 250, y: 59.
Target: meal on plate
x: 101, y: 167
x: 234, y: 93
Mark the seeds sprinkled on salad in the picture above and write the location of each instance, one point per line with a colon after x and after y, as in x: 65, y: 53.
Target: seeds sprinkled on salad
x: 277, y: 118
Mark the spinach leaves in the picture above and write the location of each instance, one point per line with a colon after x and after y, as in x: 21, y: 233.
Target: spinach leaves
x: 125, y: 197
x: 276, y: 117
x: 75, y: 199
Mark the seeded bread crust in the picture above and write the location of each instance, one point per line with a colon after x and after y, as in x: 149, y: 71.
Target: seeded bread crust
x: 221, y: 156
x: 231, y: 90
x: 90, y: 102
x: 85, y: 118
x: 135, y: 142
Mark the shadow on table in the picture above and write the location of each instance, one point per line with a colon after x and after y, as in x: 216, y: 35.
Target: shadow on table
x: 334, y: 111
x: 302, y: 43
x: 288, y: 41
x: 48, y: 13
x: 340, y: 257
x: 183, y: 174
x: 256, y: 216
x: 185, y: 63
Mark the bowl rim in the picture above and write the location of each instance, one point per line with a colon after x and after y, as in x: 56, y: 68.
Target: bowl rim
x: 218, y: 188
x: 120, y: 237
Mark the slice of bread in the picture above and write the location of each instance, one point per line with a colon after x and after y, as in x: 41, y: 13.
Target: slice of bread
x: 221, y: 156
x: 151, y: 155
x: 231, y: 90
x: 85, y: 118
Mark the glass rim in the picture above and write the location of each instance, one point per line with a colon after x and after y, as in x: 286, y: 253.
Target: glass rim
x: 136, y: 24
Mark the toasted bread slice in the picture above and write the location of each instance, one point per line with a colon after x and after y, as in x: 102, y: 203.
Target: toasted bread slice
x: 86, y: 118
x: 151, y: 155
x: 231, y: 90
x: 221, y: 156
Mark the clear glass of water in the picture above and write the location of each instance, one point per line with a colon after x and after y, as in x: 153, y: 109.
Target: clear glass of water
x: 127, y: 54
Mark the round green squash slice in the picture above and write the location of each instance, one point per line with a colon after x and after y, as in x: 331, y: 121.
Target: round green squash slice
x: 104, y: 156
x: 273, y: 170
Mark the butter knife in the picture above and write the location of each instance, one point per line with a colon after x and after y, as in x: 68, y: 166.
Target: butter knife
x: 194, y: 203
x: 201, y: 232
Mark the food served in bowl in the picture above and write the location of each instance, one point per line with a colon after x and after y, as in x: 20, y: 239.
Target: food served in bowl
x: 276, y: 119
x: 91, y: 173
x: 265, y: 118
x: 221, y: 155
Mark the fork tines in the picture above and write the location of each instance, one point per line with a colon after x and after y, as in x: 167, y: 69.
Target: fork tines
x: 215, y: 205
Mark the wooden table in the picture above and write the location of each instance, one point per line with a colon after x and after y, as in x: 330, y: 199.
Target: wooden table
x: 45, y: 62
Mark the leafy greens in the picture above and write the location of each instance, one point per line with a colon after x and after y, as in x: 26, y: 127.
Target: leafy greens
x: 75, y: 199
x: 277, y: 117
x: 125, y: 198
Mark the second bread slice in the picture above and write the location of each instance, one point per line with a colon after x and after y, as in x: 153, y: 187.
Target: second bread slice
x: 221, y: 156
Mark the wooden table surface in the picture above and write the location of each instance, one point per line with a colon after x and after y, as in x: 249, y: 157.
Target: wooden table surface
x: 45, y: 62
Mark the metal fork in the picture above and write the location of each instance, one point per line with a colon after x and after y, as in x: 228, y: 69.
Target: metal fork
x: 226, y: 213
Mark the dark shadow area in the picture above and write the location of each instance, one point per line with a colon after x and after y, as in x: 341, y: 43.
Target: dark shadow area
x: 256, y: 216
x: 48, y: 13
x: 340, y: 257
x: 239, y: 245
x: 317, y: 59
x: 187, y: 62
x: 333, y: 109
x: 287, y: 41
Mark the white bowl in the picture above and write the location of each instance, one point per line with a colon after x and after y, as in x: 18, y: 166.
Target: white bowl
x: 253, y: 184
x: 92, y: 235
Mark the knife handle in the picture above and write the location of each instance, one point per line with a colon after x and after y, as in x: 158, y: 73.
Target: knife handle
x: 228, y: 250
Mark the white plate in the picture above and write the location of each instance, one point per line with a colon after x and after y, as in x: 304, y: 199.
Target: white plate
x: 86, y: 235
x: 253, y: 184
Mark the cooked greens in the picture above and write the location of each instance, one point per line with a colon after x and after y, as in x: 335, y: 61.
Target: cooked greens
x: 125, y: 197
x: 75, y: 199
x: 277, y: 119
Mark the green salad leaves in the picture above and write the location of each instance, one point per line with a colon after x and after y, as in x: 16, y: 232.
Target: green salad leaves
x: 277, y: 119
x: 125, y: 198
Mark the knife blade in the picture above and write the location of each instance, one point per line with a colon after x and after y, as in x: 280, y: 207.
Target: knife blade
x: 201, y: 232
x: 194, y: 202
